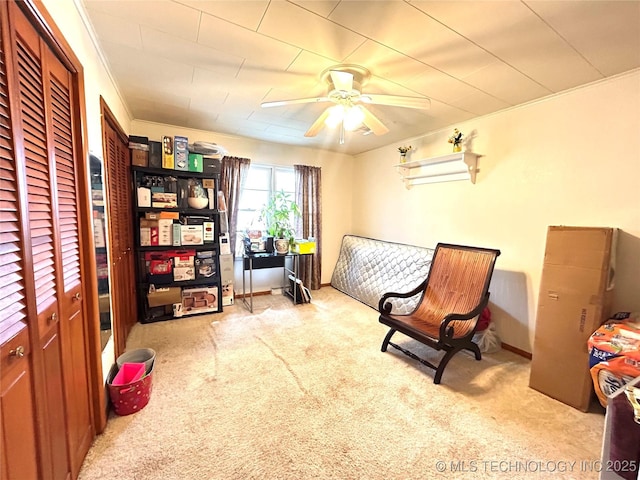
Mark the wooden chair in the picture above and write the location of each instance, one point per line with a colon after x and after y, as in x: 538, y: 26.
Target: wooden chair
x: 454, y: 294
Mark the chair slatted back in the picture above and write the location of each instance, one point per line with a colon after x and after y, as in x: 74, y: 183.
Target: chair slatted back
x: 458, y: 280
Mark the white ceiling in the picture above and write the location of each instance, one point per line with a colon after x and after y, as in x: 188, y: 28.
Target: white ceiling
x: 209, y: 64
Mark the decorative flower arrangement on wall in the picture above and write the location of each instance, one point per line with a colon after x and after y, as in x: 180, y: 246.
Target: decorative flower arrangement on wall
x: 403, y: 153
x: 456, y: 139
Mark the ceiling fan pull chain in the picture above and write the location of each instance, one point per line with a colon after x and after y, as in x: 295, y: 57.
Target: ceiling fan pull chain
x: 342, y: 132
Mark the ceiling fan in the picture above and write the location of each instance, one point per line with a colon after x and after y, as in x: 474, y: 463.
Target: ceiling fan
x: 345, y: 84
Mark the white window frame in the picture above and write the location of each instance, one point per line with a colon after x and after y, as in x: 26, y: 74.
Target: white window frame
x: 271, y: 188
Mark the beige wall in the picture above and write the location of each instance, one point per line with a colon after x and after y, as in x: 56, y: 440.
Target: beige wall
x: 572, y: 159
x: 68, y: 16
x: 336, y: 186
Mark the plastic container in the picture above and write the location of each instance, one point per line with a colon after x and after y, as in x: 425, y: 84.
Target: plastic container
x: 129, y: 373
x: 132, y: 397
x: 139, y: 355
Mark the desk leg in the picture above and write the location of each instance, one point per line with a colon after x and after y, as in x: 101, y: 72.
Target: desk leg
x: 248, y: 304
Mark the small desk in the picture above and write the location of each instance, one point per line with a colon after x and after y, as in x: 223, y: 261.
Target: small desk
x: 257, y: 261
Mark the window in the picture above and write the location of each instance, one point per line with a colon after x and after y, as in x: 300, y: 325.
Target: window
x: 262, y: 181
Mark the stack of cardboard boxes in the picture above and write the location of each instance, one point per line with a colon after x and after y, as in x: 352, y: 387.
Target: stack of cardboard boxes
x: 575, y: 298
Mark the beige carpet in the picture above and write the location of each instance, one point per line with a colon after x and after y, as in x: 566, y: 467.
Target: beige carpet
x: 305, y: 393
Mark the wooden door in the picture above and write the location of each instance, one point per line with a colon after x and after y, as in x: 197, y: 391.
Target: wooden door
x: 18, y: 449
x: 80, y: 430
x: 42, y: 103
x: 118, y: 187
x: 41, y: 212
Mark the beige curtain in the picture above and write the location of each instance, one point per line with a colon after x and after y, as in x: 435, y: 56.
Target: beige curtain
x: 309, y: 199
x: 232, y: 178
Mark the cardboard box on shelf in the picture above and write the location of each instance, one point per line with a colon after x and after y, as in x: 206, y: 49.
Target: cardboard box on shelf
x: 191, y: 235
x: 199, y: 300
x: 164, y: 296
x: 139, y: 158
x: 165, y: 232
x: 164, y: 200
x: 180, y: 153
x: 195, y: 162
x: 155, y: 154
x: 167, y: 152
x: 574, y: 300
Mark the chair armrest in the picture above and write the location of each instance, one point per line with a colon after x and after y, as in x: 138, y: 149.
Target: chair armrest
x: 385, y: 307
x: 446, y: 331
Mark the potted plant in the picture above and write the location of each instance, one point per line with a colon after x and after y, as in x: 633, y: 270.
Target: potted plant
x: 278, y: 214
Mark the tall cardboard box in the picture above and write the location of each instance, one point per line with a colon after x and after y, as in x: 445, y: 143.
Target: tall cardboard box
x: 575, y: 298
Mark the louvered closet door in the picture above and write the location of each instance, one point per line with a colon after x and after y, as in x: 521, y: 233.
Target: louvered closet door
x: 18, y: 453
x: 41, y: 215
x: 120, y: 234
x: 69, y: 274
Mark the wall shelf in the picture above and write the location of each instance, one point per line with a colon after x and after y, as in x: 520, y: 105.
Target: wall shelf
x: 444, y: 168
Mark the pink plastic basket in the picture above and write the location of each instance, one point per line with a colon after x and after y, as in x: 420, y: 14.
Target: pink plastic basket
x: 129, y: 373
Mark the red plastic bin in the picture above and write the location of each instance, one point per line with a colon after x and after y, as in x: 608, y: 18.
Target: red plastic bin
x: 133, y: 396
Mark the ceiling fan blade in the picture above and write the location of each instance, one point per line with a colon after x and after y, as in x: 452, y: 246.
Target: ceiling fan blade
x: 280, y: 103
x: 318, y: 124
x: 342, y: 80
x: 396, y: 101
x: 372, y: 123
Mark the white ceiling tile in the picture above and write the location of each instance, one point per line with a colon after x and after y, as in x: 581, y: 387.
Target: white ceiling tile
x: 245, y: 43
x: 609, y: 38
x: 512, y: 32
x: 246, y: 13
x: 116, y: 30
x: 323, y: 8
x: 479, y: 103
x: 306, y: 30
x: 142, y: 69
x: 506, y: 83
x: 142, y: 94
x: 164, y: 45
x: 166, y: 16
x: 440, y: 86
x: 385, y: 62
x: 411, y: 32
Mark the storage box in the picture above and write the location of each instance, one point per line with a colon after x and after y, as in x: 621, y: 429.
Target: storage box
x: 180, y: 153
x: 184, y: 266
x: 191, y: 235
x: 144, y: 197
x: 211, y: 165
x: 226, y: 269
x: 164, y: 200
x: 199, y: 300
x: 303, y: 246
x: 574, y: 300
x: 165, y: 232
x: 139, y: 158
x: 155, y: 154
x: 195, y: 162
x: 208, y: 231
x: 164, y: 296
x: 227, y: 295
x: 167, y: 152
x: 205, y: 264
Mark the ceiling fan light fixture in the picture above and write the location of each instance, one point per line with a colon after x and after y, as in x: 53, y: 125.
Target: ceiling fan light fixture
x: 353, y: 117
x: 336, y: 114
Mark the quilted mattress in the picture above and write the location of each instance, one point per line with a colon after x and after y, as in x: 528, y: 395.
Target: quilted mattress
x: 368, y: 268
